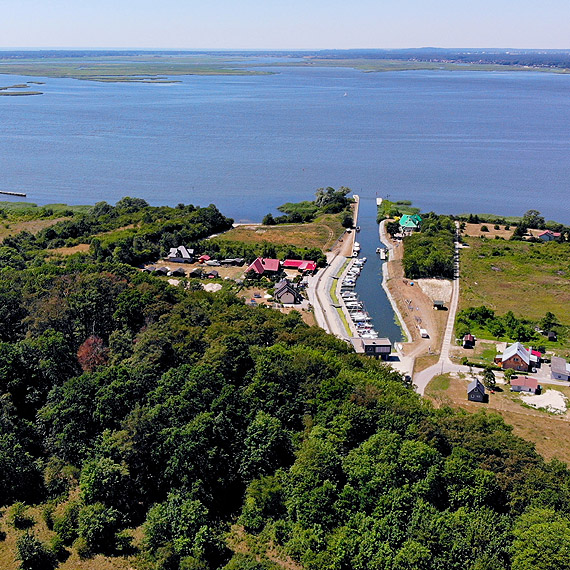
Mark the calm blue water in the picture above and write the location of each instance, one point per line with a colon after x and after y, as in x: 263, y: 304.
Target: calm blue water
x: 450, y: 141
x: 369, y: 284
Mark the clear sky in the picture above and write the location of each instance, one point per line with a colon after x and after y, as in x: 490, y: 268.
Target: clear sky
x: 284, y: 24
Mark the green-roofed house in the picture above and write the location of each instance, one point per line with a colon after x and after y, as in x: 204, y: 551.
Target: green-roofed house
x: 410, y: 223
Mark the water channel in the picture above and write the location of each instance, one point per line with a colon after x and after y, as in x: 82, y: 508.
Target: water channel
x: 369, y: 284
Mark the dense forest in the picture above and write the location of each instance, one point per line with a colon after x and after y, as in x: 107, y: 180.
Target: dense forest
x: 186, y: 430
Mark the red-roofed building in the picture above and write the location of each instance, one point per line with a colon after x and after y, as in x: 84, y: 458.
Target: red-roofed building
x: 468, y: 341
x: 300, y: 264
x: 262, y: 265
x: 524, y: 384
x: 549, y: 235
x: 204, y: 258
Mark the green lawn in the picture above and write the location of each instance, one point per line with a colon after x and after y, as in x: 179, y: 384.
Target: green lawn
x: 528, y: 279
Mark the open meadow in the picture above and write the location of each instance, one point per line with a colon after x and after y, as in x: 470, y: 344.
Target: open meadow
x: 529, y: 279
x: 322, y: 233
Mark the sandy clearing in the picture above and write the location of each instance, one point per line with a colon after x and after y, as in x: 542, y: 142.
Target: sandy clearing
x: 552, y: 400
x: 436, y: 289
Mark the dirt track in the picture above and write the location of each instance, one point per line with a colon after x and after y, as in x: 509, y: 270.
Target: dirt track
x: 415, y: 306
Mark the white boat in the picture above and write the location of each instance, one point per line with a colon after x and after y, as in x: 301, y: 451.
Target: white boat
x: 360, y: 317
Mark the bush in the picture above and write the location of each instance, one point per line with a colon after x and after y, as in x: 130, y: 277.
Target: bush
x: 33, y: 554
x: 98, y: 526
x: 66, y: 524
x: 19, y: 516
x: 484, y: 229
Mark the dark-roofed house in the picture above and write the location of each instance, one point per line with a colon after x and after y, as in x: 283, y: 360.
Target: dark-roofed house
x: 551, y: 335
x: 560, y: 369
x: 212, y: 274
x: 178, y: 272
x: 196, y: 273
x: 377, y: 347
x: 162, y: 271
x: 263, y: 265
x: 476, y: 391
x: 286, y: 293
x: 468, y: 341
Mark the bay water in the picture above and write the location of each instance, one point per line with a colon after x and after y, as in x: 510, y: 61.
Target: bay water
x: 452, y: 142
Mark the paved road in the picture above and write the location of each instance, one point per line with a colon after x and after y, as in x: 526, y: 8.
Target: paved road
x: 320, y: 284
x: 444, y: 364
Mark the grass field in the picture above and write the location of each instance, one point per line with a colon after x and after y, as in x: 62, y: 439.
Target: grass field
x: 528, y: 279
x: 322, y: 233
x: 549, y: 433
x: 33, y: 226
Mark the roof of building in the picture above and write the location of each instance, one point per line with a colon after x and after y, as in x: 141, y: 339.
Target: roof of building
x: 475, y: 385
x: 261, y: 264
x: 516, y: 349
x: 525, y: 382
x: 376, y: 342
x: 559, y: 365
x: 536, y: 353
x: 204, y: 257
x: 407, y: 221
x: 469, y: 338
x: 549, y: 233
x: 360, y: 343
x: 181, y: 251
x: 300, y: 264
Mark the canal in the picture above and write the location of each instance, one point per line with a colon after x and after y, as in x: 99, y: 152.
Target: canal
x: 369, y: 284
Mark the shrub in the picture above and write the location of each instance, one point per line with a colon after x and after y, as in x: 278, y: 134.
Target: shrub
x: 19, y: 516
x: 484, y: 229
x: 33, y: 554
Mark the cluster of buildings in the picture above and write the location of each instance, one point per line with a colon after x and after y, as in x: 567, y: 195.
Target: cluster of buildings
x: 517, y: 357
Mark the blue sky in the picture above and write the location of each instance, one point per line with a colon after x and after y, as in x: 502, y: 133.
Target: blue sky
x: 284, y: 24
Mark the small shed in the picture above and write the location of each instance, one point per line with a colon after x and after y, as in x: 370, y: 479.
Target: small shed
x: 178, y: 272
x: 476, y: 391
x: 560, y: 369
x: 468, y: 341
x: 162, y: 270
x: 551, y: 335
x: 196, y: 273
x: 524, y: 384
x: 424, y: 333
x: 204, y: 258
x: 439, y: 305
x: 212, y: 274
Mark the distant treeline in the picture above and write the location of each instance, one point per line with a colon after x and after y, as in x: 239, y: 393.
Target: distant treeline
x: 534, y: 58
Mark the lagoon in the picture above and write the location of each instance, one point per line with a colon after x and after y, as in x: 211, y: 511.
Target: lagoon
x: 453, y: 142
